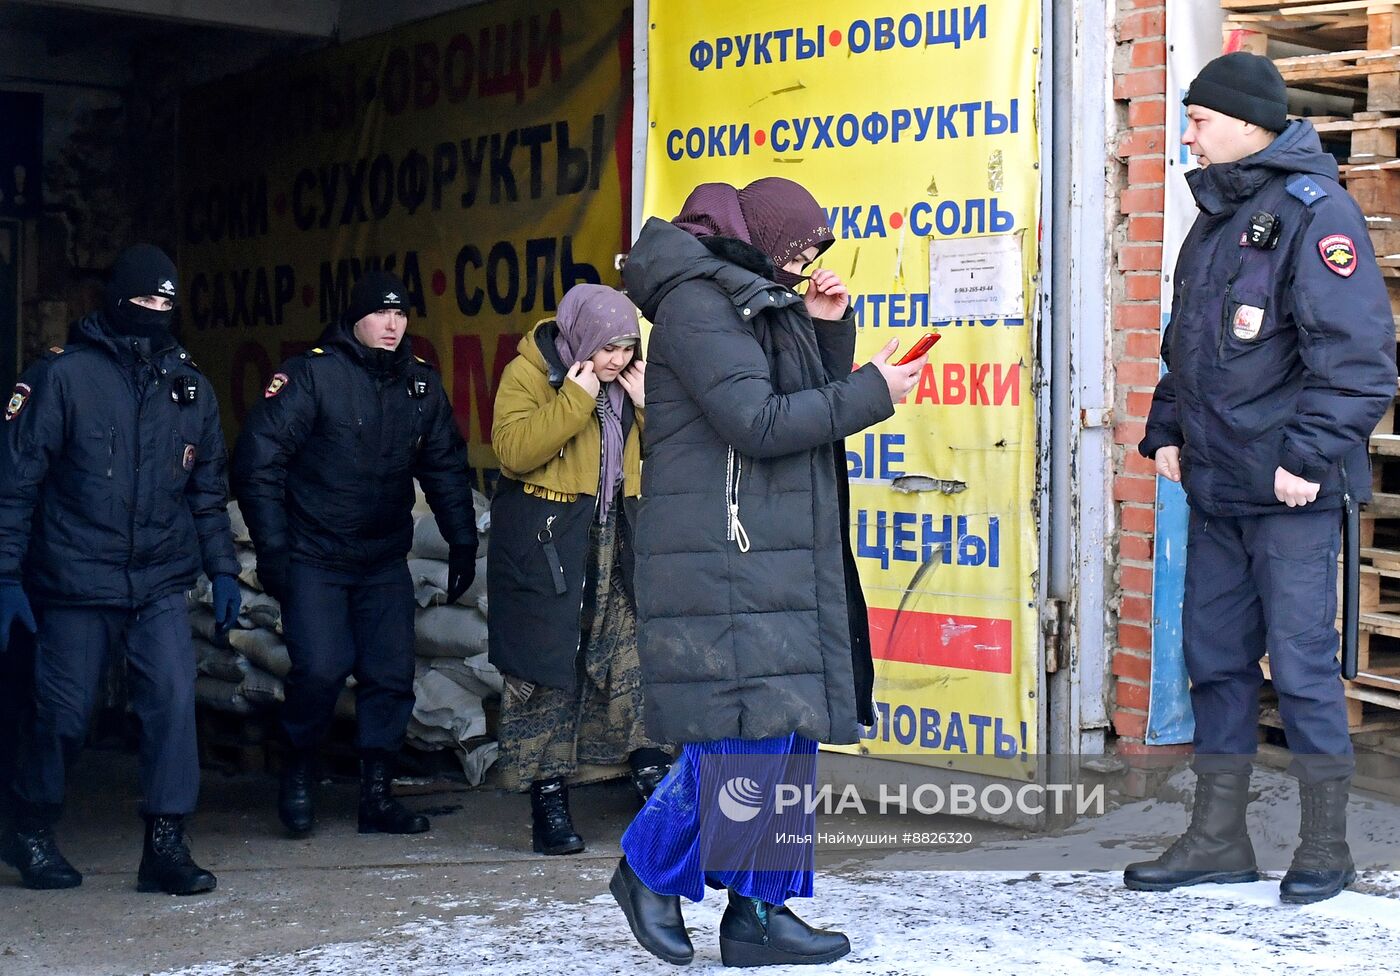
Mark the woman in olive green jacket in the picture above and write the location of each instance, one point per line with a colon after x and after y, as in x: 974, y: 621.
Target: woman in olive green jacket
x: 568, y: 420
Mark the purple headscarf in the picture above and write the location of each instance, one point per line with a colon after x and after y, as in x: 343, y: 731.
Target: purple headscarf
x: 712, y: 209
x: 775, y: 215
x: 589, y: 318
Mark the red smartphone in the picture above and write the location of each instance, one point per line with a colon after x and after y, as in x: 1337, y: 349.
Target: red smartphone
x: 920, y: 347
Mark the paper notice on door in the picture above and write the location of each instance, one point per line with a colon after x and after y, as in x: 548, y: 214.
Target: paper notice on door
x: 976, y: 278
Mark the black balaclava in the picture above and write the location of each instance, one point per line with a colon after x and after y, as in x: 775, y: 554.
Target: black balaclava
x: 142, y: 269
x: 376, y: 290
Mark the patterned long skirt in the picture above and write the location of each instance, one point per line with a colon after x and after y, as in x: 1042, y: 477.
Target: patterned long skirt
x: 548, y: 732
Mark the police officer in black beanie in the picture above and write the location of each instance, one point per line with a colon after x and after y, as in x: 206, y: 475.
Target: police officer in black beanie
x: 324, y: 473
x: 1280, y: 360
x: 112, y: 498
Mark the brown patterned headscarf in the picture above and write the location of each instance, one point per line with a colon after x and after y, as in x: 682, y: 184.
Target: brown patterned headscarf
x: 775, y: 215
x: 784, y: 219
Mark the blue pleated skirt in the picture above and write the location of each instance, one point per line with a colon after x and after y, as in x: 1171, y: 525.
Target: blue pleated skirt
x: 686, y: 837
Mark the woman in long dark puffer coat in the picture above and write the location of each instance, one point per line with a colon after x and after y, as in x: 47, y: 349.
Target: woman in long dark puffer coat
x: 754, y: 643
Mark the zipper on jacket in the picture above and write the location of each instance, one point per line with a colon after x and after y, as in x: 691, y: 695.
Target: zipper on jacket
x: 1225, y: 309
x: 139, y: 388
x: 111, y: 450
x: 734, y: 529
x: 545, y: 537
x: 556, y: 566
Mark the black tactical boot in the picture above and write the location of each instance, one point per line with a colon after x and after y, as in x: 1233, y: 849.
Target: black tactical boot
x: 1215, y: 848
x: 649, y: 768
x: 655, y: 920
x: 1322, y: 865
x: 755, y: 933
x: 380, y: 813
x: 553, y: 826
x: 30, y: 849
x: 295, y: 804
x: 166, y: 864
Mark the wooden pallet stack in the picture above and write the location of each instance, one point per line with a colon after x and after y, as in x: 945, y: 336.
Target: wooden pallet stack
x: 1355, y: 65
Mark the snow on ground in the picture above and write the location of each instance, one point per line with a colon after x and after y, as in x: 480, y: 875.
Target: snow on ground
x: 1135, y: 831
x: 924, y: 923
x: 1004, y: 918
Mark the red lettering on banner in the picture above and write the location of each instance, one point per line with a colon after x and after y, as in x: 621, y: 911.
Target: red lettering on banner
x: 470, y: 384
x: 974, y: 384
x: 248, y: 357
x: 942, y: 640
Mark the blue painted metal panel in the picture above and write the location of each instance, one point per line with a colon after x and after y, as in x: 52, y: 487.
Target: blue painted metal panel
x: 1169, y: 719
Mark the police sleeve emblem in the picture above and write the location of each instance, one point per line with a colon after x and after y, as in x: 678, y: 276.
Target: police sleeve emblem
x: 1338, y: 253
x: 279, y: 380
x: 17, y: 400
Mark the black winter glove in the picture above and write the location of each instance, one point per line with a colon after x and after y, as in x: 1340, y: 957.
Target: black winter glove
x: 273, y: 570
x: 461, y: 571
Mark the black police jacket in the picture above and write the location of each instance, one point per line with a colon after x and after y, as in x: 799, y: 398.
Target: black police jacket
x: 112, y: 474
x: 1280, y: 352
x: 323, y: 469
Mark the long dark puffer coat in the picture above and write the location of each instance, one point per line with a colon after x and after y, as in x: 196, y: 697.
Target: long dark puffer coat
x: 750, y: 616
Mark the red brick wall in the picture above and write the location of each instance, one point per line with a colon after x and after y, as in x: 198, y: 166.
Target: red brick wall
x: 1139, y: 87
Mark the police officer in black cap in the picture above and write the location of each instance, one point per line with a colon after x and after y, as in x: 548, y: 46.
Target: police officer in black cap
x: 324, y: 473
x: 1281, y: 360
x: 112, y: 498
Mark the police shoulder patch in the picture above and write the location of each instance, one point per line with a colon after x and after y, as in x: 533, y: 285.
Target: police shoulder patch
x: 18, y: 399
x: 1338, y: 253
x: 274, y: 387
x: 1306, y: 189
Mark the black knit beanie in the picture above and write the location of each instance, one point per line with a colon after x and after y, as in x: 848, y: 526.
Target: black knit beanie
x: 376, y: 290
x: 1243, y: 86
x: 140, y: 270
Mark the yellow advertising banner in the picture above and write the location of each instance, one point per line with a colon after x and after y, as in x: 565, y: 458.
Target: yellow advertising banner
x: 482, y: 155
x: 916, y: 129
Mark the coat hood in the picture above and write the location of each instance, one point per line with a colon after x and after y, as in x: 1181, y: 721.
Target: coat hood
x: 666, y: 256
x: 92, y: 329
x: 379, y: 362
x: 1221, y: 187
x: 537, y: 348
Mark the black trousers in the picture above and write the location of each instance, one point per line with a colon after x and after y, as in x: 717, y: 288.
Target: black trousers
x: 338, y: 623
x: 1257, y: 584
x: 69, y: 660
x: 16, y: 713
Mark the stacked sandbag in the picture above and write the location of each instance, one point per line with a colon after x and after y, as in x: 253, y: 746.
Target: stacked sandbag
x: 453, y: 678
x: 243, y: 671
